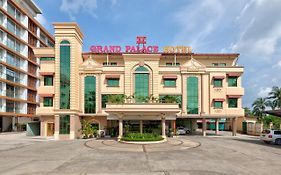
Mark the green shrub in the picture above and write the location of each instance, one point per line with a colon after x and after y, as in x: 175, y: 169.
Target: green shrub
x: 142, y: 137
x: 88, y: 130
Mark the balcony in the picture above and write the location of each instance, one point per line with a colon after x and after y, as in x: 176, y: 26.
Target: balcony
x: 47, y: 67
x: 235, y: 91
x: 235, y: 111
x: 44, y: 110
x: 44, y: 52
x: 46, y: 90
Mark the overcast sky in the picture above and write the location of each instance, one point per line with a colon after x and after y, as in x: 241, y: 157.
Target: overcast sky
x: 249, y: 27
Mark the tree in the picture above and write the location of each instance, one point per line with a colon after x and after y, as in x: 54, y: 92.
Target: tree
x: 248, y: 111
x: 275, y: 95
x: 271, y: 104
x: 259, y: 106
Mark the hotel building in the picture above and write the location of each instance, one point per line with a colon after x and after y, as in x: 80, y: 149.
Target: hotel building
x: 19, y: 78
x: 163, y: 89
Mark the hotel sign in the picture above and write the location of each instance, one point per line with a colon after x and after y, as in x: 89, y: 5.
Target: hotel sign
x: 139, y: 48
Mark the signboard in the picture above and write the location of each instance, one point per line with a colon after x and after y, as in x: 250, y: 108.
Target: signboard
x: 140, y: 48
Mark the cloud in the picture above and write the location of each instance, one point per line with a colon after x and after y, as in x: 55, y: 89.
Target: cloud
x: 197, y: 23
x: 250, y: 27
x: 74, y: 7
x: 263, y: 92
x: 262, y: 32
x: 43, y: 21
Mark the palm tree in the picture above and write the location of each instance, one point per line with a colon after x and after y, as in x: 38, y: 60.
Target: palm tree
x: 259, y: 106
x: 271, y: 104
x: 275, y: 95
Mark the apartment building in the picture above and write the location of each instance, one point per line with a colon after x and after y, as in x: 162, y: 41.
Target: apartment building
x: 141, y: 88
x: 20, y: 32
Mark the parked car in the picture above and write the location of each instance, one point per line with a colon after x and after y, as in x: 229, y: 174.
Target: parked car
x: 182, y: 131
x: 271, y: 136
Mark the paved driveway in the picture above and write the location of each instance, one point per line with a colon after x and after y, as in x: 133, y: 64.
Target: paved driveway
x: 215, y: 155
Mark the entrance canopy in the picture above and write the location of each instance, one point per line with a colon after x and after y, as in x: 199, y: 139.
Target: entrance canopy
x: 142, y: 111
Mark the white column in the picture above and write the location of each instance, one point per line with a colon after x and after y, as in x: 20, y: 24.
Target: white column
x: 204, y: 127
x: 234, y: 126
x: 141, y: 126
x: 217, y: 126
x: 163, y: 127
x: 120, y: 129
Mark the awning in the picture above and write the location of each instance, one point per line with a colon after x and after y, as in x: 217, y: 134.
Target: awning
x: 218, y: 99
x: 234, y: 96
x: 234, y: 74
x: 46, y: 95
x: 112, y: 76
x: 46, y: 73
x: 170, y: 77
x: 218, y: 77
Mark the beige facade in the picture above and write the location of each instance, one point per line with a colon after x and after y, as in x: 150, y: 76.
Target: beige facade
x: 208, y: 86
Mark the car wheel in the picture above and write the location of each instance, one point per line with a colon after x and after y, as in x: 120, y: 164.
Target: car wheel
x: 278, y: 141
x: 187, y: 132
x: 266, y: 142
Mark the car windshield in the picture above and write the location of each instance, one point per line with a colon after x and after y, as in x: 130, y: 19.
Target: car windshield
x: 266, y: 131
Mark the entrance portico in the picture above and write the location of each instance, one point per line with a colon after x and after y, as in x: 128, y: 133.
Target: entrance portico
x: 141, y: 112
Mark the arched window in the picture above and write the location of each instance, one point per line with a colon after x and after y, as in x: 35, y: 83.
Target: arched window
x: 90, y: 95
x: 64, y: 75
x: 192, y: 95
x: 141, y: 84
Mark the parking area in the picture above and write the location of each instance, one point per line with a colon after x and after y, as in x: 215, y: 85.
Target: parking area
x: 215, y: 155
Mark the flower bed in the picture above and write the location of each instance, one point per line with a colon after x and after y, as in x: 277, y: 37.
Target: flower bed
x: 142, y: 137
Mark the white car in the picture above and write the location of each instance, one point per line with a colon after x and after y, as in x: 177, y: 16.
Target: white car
x: 183, y: 131
x: 273, y: 136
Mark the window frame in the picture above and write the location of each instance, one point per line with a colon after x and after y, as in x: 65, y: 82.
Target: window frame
x: 167, y: 81
x: 229, y: 78
x: 64, y: 126
x: 46, y: 80
x: 217, y: 80
x: 218, y: 106
x: 113, y: 80
x: 48, y: 102
x: 231, y: 99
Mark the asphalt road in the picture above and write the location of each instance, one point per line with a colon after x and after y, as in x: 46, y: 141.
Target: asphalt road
x: 216, y: 155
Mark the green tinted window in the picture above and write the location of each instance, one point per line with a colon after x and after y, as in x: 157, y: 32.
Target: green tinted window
x: 171, y: 99
x: 192, y: 95
x: 90, y: 94
x: 113, y: 82
x: 218, y: 104
x: 104, y: 100
x: 65, y: 75
x: 65, y: 124
x: 222, y: 64
x: 170, y: 82
x: 47, y: 59
x: 217, y: 82
x: 232, y: 81
x: 48, y: 80
x: 141, y: 84
x: 48, y: 101
x: 232, y: 103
